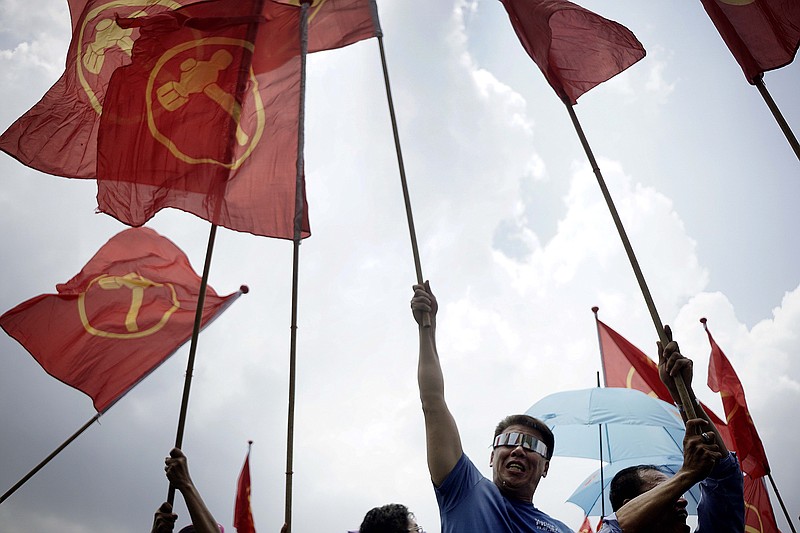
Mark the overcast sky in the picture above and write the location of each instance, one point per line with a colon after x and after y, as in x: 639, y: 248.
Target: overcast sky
x: 514, y: 236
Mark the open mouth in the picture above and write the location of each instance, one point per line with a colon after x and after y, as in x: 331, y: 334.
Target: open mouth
x: 515, y: 466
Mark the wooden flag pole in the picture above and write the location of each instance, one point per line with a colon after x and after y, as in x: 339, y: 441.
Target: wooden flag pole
x: 198, y: 320
x: 688, y: 404
x: 787, y: 131
x: 299, y: 208
x: 47, y: 459
x: 426, y: 321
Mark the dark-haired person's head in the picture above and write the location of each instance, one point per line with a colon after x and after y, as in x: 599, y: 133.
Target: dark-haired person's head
x: 633, y: 481
x: 390, y: 518
x: 521, y: 452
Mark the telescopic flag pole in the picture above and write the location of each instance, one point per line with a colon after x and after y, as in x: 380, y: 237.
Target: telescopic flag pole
x: 663, y: 335
x: 426, y: 321
x: 298, y: 222
x: 787, y: 131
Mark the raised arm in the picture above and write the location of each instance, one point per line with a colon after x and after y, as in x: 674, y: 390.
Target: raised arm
x: 177, y: 471
x: 671, y: 364
x: 441, y: 433
x: 659, y: 503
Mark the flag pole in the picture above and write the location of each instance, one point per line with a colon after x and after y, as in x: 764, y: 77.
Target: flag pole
x: 780, y: 500
x: 299, y: 209
x: 47, y: 459
x: 198, y: 319
x: 403, y: 182
x: 595, y: 309
x: 688, y: 404
x: 602, y: 483
x: 787, y: 131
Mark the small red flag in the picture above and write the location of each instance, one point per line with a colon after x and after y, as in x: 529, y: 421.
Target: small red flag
x: 575, y: 48
x: 130, y: 308
x: 243, y: 513
x: 586, y: 527
x: 723, y: 379
x: 758, y: 514
x: 761, y: 34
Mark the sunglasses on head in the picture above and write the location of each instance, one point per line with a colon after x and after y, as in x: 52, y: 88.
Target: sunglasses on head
x: 529, y: 442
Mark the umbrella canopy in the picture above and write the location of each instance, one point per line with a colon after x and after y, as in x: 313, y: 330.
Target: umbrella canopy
x: 587, y: 495
x: 632, y: 424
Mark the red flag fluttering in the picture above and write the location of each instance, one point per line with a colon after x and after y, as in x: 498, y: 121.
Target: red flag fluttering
x: 58, y: 135
x: 624, y: 365
x: 575, y: 48
x: 243, y: 513
x: 130, y: 308
x: 240, y: 181
x: 761, y: 34
x: 723, y: 379
x: 194, y: 75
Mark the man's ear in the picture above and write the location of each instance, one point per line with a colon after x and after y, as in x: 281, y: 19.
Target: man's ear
x: 546, y: 468
x: 491, y: 459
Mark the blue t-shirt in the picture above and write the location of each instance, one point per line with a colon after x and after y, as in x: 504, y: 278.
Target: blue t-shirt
x: 721, y: 507
x: 470, y: 503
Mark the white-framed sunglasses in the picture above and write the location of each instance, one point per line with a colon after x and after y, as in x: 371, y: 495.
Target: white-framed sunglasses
x: 529, y: 442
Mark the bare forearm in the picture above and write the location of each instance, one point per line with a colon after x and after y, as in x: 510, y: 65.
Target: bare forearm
x: 202, y: 519
x: 637, y: 514
x: 441, y: 433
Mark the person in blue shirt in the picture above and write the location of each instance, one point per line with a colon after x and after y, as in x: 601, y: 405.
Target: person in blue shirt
x: 644, y: 498
x: 520, y: 458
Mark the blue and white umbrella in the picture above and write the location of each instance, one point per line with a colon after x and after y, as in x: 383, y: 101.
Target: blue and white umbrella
x: 632, y: 424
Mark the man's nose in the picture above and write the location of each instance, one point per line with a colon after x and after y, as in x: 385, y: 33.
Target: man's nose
x: 681, y: 503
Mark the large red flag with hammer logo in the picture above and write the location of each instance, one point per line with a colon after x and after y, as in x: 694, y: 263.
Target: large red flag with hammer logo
x: 130, y: 308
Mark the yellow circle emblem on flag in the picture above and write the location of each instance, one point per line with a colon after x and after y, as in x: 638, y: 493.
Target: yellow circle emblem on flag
x: 193, y: 78
x: 102, y: 41
x: 137, y: 285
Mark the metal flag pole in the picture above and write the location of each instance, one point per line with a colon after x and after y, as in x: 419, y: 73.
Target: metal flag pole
x: 47, y: 459
x: 403, y: 182
x: 787, y: 131
x: 198, y: 320
x: 299, y: 208
x: 602, y: 483
x: 688, y: 404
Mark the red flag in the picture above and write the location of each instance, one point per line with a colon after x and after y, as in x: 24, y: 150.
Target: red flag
x: 130, y: 308
x: 723, y: 379
x: 625, y: 365
x: 575, y: 48
x: 758, y: 514
x: 59, y: 134
x: 586, y: 527
x: 242, y: 513
x: 761, y: 34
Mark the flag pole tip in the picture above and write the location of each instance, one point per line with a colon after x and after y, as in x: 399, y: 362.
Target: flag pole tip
x: 244, y: 289
x: 249, y: 442
x: 595, y: 309
x: 703, y: 320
